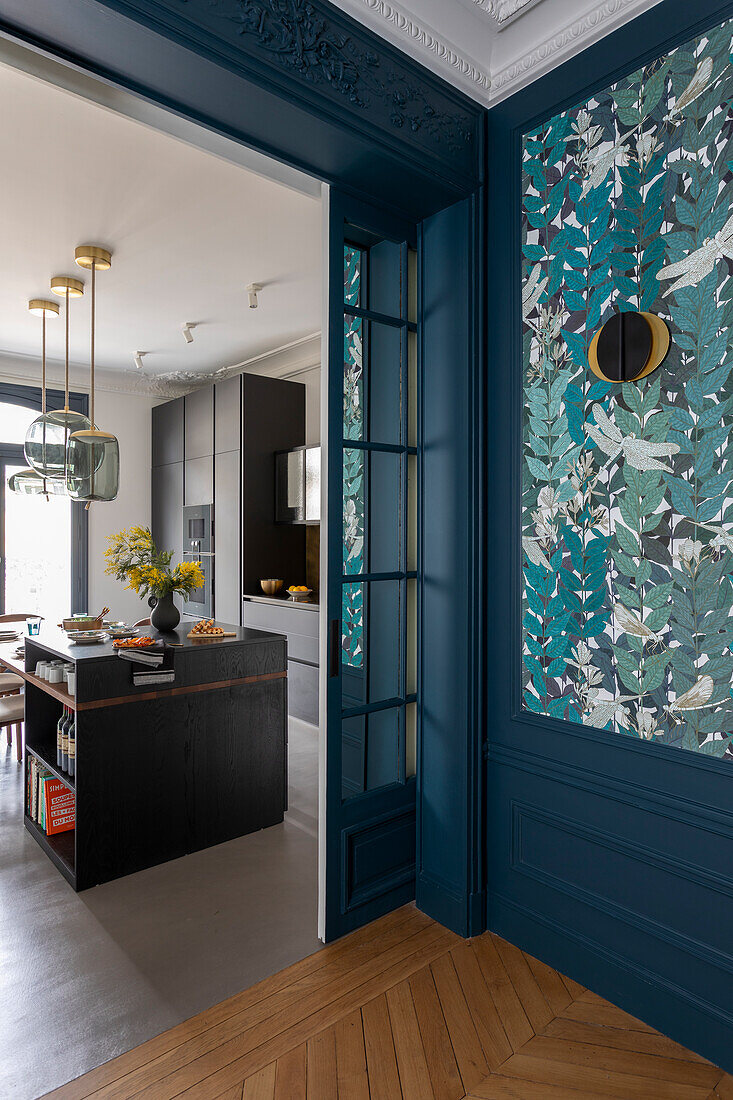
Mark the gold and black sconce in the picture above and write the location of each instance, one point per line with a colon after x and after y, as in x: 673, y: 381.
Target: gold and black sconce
x: 629, y: 346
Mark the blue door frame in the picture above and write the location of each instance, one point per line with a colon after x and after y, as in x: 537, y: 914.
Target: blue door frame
x: 308, y: 85
x: 601, y: 847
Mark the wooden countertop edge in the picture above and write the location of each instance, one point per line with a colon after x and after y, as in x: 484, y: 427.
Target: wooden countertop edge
x: 95, y: 704
x: 185, y: 689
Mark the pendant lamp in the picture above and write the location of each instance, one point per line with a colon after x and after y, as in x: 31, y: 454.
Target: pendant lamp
x: 92, y: 456
x: 28, y: 481
x: 47, y: 438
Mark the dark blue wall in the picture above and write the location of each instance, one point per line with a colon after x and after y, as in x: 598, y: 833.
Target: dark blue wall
x: 609, y: 858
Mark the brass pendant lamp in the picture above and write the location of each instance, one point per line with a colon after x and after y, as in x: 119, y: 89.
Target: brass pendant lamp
x: 92, y: 456
x: 47, y: 438
x: 28, y: 482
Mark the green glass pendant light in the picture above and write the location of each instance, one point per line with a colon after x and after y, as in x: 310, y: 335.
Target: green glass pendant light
x: 92, y: 456
x: 28, y: 481
x: 48, y: 436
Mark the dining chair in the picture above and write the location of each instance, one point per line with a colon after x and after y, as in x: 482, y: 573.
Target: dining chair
x: 12, y: 713
x: 12, y: 704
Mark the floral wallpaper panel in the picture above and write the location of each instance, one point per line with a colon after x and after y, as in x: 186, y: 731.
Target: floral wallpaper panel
x: 627, y: 491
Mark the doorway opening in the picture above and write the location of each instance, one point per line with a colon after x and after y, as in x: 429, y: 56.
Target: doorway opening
x: 192, y: 223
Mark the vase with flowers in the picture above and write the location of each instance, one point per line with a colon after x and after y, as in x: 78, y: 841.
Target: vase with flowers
x: 133, y: 557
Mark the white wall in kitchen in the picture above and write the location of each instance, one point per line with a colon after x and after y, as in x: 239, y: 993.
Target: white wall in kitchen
x: 128, y: 416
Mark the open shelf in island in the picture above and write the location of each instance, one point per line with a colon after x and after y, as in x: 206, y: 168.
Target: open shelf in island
x: 161, y: 772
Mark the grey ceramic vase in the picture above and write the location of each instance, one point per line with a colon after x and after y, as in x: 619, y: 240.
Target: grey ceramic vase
x: 165, y: 615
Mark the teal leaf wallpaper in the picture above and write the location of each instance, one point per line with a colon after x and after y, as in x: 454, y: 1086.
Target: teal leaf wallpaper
x: 627, y: 490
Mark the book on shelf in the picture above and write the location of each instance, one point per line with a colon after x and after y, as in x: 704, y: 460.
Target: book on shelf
x: 51, y: 804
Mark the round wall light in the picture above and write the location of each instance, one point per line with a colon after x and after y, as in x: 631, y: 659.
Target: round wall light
x: 629, y: 346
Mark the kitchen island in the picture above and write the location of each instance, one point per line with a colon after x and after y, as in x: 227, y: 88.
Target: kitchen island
x: 161, y: 769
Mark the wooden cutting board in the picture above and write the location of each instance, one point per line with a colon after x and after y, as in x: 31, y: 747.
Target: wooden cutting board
x: 211, y: 637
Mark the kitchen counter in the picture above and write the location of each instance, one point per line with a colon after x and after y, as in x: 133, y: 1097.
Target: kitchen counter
x: 284, y: 601
x: 162, y: 769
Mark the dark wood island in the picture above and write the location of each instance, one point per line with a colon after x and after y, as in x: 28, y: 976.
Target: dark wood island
x: 167, y: 769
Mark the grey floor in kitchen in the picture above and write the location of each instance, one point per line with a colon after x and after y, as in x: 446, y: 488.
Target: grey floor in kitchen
x: 84, y: 977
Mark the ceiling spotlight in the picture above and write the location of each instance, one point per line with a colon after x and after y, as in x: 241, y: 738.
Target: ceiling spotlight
x: 139, y: 359
x: 188, y: 331
x: 252, y: 290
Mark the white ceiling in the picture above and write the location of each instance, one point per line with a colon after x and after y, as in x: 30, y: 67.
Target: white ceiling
x: 188, y: 231
x: 490, y: 48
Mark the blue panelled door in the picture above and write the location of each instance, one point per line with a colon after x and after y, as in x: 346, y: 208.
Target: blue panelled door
x: 373, y: 567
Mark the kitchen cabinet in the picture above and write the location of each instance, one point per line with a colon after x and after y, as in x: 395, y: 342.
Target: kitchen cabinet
x: 228, y: 415
x: 299, y: 622
x: 199, y: 481
x: 167, y: 508
x: 199, y: 423
x: 168, y: 432
x: 227, y: 535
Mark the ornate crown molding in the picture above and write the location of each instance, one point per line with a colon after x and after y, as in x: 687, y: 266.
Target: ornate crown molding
x: 504, y: 11
x: 426, y: 39
x: 599, y: 21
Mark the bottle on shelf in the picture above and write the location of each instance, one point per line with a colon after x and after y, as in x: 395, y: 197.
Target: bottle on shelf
x: 65, y: 743
x: 59, y: 731
x: 71, y: 739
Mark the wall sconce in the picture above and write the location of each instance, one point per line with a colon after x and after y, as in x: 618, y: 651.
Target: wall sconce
x: 188, y: 331
x: 139, y: 359
x: 629, y: 346
x: 252, y: 292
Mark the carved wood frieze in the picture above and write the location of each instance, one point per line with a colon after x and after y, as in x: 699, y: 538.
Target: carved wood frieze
x: 324, y: 53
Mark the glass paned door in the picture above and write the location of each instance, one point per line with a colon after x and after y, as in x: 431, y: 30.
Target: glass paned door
x: 373, y: 565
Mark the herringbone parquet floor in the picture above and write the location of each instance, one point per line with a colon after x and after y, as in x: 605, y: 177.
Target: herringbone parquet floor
x: 405, y: 1010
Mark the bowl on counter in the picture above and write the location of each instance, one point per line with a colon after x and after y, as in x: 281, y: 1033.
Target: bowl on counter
x: 271, y: 586
x: 121, y: 630
x: 299, y: 593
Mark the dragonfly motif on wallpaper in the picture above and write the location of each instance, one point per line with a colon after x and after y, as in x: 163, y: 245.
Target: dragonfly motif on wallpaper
x: 603, y: 160
x: 695, y: 698
x: 642, y: 454
x: 630, y: 623
x: 693, y: 268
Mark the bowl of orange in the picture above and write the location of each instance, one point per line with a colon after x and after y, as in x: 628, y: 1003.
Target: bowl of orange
x: 298, y: 592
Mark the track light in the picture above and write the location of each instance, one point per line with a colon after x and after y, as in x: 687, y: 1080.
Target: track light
x: 139, y: 359
x: 252, y: 291
x: 188, y: 331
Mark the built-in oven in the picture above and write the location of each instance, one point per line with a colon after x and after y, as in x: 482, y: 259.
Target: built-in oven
x: 198, y: 545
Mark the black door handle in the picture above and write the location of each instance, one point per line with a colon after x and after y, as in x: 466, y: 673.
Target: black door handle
x: 334, y: 647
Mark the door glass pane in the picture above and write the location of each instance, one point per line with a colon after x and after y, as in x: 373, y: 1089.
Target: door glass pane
x: 411, y: 629
x: 37, y: 554
x: 353, y: 378
x: 371, y: 657
x: 411, y: 739
x: 353, y: 755
x: 372, y: 511
x: 412, y: 394
x: 383, y: 748
x: 373, y: 389
x: 386, y: 278
x: 353, y: 258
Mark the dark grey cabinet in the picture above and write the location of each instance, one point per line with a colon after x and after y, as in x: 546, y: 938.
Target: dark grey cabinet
x: 168, y: 432
x: 199, y: 481
x: 199, y: 423
x: 227, y: 537
x: 167, y: 508
x: 225, y: 437
x: 300, y: 624
x: 228, y: 415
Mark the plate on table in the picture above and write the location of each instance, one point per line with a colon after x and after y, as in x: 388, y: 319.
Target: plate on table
x: 9, y: 635
x: 86, y: 637
x: 122, y: 631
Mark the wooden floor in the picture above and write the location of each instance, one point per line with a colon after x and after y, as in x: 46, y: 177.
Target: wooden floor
x: 405, y: 1009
